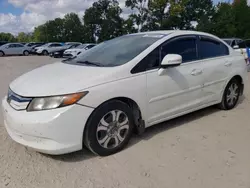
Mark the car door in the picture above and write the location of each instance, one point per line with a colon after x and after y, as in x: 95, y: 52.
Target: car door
x: 19, y: 48
x: 10, y: 49
x: 217, y: 65
x: 178, y: 90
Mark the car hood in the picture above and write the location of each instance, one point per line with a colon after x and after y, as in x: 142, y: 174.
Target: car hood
x: 73, y: 49
x: 62, y: 78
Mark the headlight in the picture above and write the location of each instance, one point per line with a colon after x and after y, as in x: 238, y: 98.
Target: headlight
x: 47, y: 103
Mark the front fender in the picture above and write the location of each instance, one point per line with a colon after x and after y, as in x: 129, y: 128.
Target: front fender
x: 133, y: 88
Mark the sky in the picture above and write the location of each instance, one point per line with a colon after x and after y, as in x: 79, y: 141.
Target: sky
x: 23, y: 15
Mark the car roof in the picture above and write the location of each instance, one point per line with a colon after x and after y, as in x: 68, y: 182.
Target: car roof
x: 178, y: 32
x: 14, y: 43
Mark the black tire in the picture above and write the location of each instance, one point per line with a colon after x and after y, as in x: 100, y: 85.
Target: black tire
x: 90, y: 134
x: 26, y: 53
x: 45, y: 52
x: 1, y: 54
x: 225, y: 105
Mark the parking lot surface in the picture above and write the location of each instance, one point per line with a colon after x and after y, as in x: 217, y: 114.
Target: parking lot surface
x: 205, y: 149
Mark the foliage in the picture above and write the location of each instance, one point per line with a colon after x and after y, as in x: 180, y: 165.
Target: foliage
x: 105, y: 20
x: 7, y: 37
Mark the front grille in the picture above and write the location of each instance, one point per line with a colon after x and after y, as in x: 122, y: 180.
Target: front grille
x: 16, y: 101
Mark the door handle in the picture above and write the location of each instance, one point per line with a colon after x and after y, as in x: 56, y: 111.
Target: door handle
x: 196, y: 72
x: 228, y: 64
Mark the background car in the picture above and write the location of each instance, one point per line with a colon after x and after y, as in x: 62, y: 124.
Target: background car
x: 33, y: 48
x: 57, y: 53
x: 31, y: 44
x: 14, y: 49
x: 3, y: 42
x: 73, y: 43
x: 47, y: 48
x: 76, y: 51
x: 233, y: 42
x: 242, y: 48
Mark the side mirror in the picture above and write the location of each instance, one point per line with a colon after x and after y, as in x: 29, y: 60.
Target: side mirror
x: 171, y: 60
x: 7, y: 47
x: 236, y: 47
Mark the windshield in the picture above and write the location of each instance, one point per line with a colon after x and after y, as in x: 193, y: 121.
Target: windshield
x: 117, y: 51
x: 81, y: 46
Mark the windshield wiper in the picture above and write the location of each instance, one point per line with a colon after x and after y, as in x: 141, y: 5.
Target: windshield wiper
x: 90, y: 63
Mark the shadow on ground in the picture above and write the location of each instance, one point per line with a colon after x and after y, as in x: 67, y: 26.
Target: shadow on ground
x: 148, y: 134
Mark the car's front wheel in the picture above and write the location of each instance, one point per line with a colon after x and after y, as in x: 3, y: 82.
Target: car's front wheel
x: 109, y: 128
x: 45, y: 52
x: 231, y: 95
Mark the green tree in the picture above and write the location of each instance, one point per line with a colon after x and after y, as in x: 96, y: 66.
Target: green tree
x: 241, y: 12
x: 223, y: 22
x: 102, y: 21
x: 72, y: 28
x: 7, y: 37
x: 24, y: 37
x: 140, y: 12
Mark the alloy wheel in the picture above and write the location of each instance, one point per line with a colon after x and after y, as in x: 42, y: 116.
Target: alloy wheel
x: 232, y: 94
x: 112, y: 129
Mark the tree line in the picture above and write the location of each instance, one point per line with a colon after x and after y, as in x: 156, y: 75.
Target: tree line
x: 104, y: 20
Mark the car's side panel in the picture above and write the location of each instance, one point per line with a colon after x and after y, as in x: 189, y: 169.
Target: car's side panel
x: 216, y: 74
x: 133, y: 87
x: 238, y: 68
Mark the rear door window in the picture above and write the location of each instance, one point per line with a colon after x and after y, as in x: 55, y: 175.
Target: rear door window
x: 210, y: 48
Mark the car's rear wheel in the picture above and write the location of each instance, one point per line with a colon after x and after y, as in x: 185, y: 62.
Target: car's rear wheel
x: 45, y: 52
x: 26, y: 53
x: 109, y: 128
x: 231, y: 95
x: 1, y: 53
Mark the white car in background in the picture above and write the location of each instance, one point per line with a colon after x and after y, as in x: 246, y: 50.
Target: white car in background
x: 14, y: 49
x: 132, y: 82
x: 233, y: 42
x: 76, y: 51
x: 47, y: 48
x: 240, y: 46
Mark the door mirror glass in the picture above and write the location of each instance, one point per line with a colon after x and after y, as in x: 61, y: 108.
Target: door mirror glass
x: 171, y: 60
x: 236, y: 47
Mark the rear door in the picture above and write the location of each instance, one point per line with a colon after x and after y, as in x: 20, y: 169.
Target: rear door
x: 217, y: 65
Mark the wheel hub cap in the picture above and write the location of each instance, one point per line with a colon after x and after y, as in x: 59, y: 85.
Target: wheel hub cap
x: 232, y: 94
x: 112, y: 129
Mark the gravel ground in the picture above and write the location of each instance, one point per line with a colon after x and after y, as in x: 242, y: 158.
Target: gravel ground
x: 207, y: 149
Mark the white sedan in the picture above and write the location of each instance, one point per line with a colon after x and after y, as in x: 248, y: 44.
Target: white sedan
x: 76, y: 51
x: 14, y: 49
x: 128, y: 83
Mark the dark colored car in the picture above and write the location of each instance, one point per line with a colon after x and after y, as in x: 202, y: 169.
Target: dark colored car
x: 59, y: 53
x: 244, y: 44
x: 3, y: 42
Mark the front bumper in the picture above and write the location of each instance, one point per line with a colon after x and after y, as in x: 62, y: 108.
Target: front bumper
x: 54, y: 132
